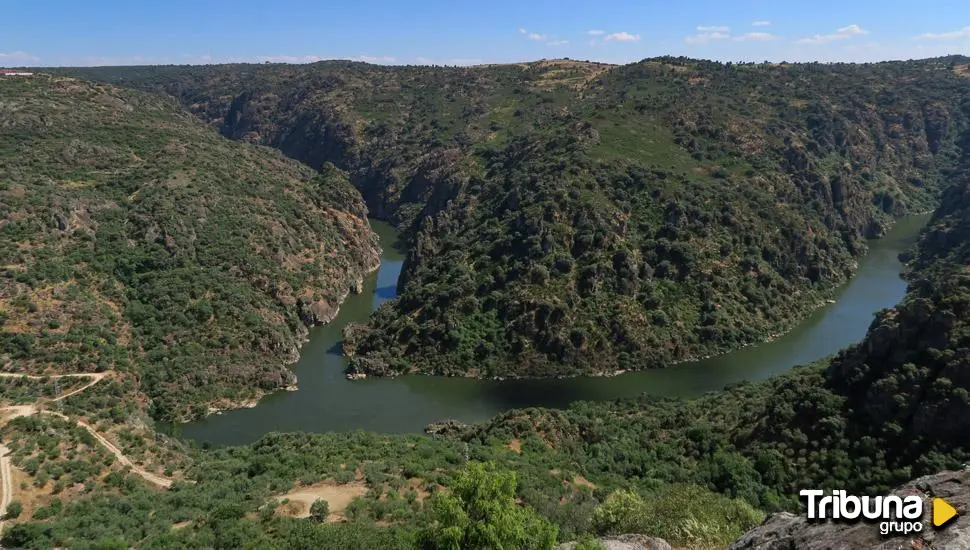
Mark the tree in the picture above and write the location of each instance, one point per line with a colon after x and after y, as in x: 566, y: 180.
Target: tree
x: 14, y: 509
x: 480, y: 512
x: 623, y: 512
x: 320, y: 509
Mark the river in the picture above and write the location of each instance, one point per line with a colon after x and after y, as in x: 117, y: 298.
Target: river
x: 326, y: 401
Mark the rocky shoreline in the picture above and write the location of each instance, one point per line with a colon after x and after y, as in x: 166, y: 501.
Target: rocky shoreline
x: 301, y: 338
x: 363, y: 367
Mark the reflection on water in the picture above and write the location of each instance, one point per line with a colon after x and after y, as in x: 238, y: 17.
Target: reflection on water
x: 385, y: 293
x: 326, y: 401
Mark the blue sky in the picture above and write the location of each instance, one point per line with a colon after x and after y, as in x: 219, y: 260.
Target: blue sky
x: 459, y: 32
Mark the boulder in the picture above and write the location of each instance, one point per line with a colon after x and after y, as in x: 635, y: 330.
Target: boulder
x: 786, y: 531
x: 626, y: 542
x: 319, y: 312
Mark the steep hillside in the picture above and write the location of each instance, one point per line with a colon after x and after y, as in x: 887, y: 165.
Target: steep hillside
x: 697, y: 473
x: 568, y: 217
x: 891, y: 408
x: 133, y: 238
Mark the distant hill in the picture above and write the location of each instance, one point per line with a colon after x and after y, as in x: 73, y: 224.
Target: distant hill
x: 133, y: 238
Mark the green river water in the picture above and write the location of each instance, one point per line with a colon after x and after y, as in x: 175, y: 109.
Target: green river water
x: 326, y: 401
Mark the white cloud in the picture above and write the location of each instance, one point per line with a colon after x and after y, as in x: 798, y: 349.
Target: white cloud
x: 756, y: 36
x: 622, y: 37
x: 716, y: 28
x: 705, y: 37
x: 595, y: 32
x: 17, y: 57
x: 844, y: 33
x: 761, y: 23
x: 549, y: 40
x: 952, y: 35
x: 538, y: 37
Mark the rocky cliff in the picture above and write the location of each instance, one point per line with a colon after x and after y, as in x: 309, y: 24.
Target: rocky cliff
x: 135, y: 238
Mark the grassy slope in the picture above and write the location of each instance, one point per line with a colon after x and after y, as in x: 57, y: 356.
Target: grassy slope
x: 135, y: 239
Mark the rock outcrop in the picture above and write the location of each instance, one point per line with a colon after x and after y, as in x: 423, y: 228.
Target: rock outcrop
x: 787, y: 531
x: 446, y: 428
x: 626, y: 542
x: 319, y: 312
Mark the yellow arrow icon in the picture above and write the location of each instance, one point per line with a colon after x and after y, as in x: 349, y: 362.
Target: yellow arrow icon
x: 942, y: 512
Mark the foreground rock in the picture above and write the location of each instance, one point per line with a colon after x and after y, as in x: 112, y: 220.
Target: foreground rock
x: 787, y: 531
x: 626, y: 542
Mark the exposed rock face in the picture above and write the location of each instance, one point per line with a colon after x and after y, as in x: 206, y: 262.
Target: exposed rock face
x: 626, y: 542
x: 789, y: 532
x: 351, y: 334
x: 373, y: 365
x: 318, y: 312
x: 446, y: 428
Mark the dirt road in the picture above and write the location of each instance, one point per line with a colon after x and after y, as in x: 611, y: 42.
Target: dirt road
x: 154, y: 479
x: 6, y: 479
x: 27, y: 410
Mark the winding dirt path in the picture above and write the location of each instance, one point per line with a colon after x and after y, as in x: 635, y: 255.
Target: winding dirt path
x: 154, y: 479
x: 28, y: 410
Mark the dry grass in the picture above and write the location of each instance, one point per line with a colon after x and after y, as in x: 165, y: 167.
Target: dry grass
x: 337, y: 496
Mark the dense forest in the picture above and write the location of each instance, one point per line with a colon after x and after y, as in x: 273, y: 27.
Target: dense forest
x: 566, y: 217
x: 695, y: 472
x: 562, y: 217
x: 135, y: 239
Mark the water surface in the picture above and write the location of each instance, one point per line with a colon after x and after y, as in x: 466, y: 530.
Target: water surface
x: 326, y: 401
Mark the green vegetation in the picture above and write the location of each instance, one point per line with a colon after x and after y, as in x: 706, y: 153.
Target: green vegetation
x: 480, y: 513
x: 567, y: 217
x: 697, y: 473
x: 687, y: 516
x: 17, y: 390
x: 616, y: 218
x: 135, y: 239
x: 14, y: 509
x: 320, y: 510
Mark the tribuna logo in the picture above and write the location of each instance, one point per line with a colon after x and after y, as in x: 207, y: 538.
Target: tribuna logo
x: 896, y: 515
